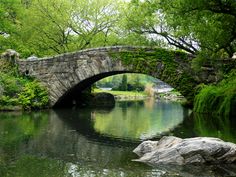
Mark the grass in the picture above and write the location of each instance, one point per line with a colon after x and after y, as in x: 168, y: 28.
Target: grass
x: 122, y: 93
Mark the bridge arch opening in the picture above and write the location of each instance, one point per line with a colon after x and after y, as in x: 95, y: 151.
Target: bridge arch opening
x: 69, y: 97
x: 77, y: 94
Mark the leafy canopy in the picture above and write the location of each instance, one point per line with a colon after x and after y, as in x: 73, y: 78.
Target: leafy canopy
x: 194, y: 26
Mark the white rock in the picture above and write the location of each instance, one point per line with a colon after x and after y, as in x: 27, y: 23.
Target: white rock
x: 173, y: 150
x: 31, y: 58
x: 234, y: 55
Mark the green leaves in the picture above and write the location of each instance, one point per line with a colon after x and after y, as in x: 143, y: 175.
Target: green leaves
x: 19, y: 91
x: 199, y: 27
x: 22, y: 92
x: 33, y: 96
x: 211, y: 23
x: 218, y: 99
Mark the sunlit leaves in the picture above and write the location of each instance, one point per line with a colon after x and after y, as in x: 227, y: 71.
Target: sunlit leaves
x: 211, y: 23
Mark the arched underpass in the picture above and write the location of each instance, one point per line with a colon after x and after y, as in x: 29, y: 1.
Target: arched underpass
x: 73, y: 94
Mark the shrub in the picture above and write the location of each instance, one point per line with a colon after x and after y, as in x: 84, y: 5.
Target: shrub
x: 33, y: 96
x: 8, y: 101
x: 217, y: 99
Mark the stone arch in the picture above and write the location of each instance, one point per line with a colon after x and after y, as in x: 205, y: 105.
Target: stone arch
x: 64, y: 74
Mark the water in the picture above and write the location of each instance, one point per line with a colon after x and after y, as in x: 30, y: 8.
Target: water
x: 99, y: 142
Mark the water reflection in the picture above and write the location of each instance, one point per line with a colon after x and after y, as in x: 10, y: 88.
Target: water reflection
x: 208, y: 126
x: 214, y: 126
x: 75, y: 143
x: 57, y: 147
x: 18, y: 128
x: 138, y: 120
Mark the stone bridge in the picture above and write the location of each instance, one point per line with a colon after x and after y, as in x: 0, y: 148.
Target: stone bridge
x: 66, y: 75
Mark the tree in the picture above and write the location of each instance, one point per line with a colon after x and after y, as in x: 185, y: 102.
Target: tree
x: 9, y: 10
x: 60, y: 26
x: 137, y: 83
x: 194, y: 26
x: 212, y: 22
x: 147, y: 19
x: 44, y: 27
x: 48, y: 31
x: 123, y: 85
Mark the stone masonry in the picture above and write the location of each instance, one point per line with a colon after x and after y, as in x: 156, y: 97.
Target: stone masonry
x: 65, y: 73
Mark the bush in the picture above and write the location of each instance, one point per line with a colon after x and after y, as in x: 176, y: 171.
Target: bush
x: 16, y: 90
x: 217, y: 99
x: 7, y: 101
x: 33, y: 96
x: 11, y: 84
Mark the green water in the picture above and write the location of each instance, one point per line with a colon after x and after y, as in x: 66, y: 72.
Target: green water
x: 99, y: 142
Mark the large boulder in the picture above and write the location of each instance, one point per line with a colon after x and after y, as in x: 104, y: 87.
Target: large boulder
x: 173, y: 150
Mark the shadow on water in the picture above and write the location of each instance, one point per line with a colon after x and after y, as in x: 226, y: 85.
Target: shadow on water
x: 81, y: 120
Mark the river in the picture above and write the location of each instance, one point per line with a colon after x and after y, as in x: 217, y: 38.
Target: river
x: 99, y: 142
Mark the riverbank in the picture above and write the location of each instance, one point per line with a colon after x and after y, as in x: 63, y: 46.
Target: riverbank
x: 132, y: 95
x: 124, y: 95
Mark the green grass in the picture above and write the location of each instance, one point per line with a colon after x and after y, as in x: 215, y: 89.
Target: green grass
x: 122, y: 93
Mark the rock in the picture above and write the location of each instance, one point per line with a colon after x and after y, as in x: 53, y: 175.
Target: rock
x: 10, y: 53
x: 234, y: 55
x: 145, y: 147
x: 32, y: 58
x: 177, y: 151
x: 97, y: 100
x: 103, y: 100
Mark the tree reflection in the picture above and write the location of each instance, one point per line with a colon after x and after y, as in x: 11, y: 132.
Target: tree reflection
x: 16, y: 130
x: 137, y: 120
